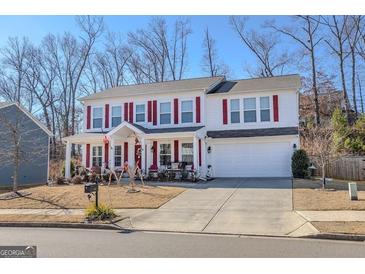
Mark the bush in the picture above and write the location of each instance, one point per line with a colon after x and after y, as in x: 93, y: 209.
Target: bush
x: 103, y: 212
x: 76, y: 180
x: 72, y: 169
x: 300, y: 164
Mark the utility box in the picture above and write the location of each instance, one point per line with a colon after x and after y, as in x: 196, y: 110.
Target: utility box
x: 353, y: 191
x: 90, y: 187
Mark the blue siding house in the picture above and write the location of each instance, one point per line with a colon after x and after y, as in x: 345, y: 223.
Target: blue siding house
x: 23, y: 140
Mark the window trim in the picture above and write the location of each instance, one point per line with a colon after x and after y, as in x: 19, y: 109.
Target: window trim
x: 135, y: 112
x: 269, y: 97
x: 230, y: 110
x: 92, y: 156
x: 181, y: 111
x: 102, y: 117
x: 243, y: 107
x: 181, y: 149
x: 121, y: 155
x: 159, y: 113
x: 111, y: 115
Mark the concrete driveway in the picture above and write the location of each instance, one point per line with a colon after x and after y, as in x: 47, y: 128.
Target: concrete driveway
x: 233, y: 206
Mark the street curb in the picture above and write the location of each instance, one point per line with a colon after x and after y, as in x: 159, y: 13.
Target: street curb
x: 61, y: 225
x: 337, y: 236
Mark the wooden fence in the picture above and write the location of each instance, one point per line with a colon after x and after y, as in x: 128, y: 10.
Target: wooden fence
x: 346, y: 168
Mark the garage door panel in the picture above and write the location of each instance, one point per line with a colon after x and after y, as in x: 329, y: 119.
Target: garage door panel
x: 251, y: 159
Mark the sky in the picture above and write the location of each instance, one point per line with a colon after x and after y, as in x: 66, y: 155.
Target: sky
x: 230, y: 49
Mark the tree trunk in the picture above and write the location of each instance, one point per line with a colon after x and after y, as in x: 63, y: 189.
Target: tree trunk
x: 353, y: 59
x: 323, y: 176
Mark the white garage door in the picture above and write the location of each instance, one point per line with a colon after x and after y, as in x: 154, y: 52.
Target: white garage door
x: 252, y: 159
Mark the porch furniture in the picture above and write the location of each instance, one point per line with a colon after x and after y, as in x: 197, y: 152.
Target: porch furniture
x: 153, y: 172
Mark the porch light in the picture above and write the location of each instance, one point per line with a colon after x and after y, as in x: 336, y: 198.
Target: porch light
x: 294, y: 146
x: 209, y: 149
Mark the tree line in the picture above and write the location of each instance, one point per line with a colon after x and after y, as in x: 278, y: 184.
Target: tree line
x: 48, y: 78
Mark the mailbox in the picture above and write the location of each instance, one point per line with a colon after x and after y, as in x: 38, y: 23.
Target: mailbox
x: 90, y: 187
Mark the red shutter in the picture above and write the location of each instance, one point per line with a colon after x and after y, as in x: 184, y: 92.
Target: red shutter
x: 87, y: 155
x: 106, y: 154
x: 225, y: 119
x: 107, y: 116
x: 149, y: 111
x: 130, y: 112
x: 275, y: 101
x: 125, y: 151
x: 176, y: 150
x: 155, y: 153
x: 197, y: 105
x: 200, y: 152
x: 88, y: 117
x: 125, y: 111
x: 176, y: 111
x: 154, y: 112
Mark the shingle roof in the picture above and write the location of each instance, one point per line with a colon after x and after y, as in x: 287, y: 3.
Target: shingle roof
x: 205, y: 83
x: 236, y: 133
x: 258, y: 84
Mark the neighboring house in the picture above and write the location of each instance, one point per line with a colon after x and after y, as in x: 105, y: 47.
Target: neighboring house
x: 17, y: 125
x: 243, y: 128
x: 328, y: 102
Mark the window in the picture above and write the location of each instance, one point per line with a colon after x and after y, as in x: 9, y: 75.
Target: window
x: 187, y: 153
x: 116, y: 115
x: 265, y: 109
x: 140, y: 113
x: 165, y: 113
x: 97, y: 158
x: 235, y: 111
x: 165, y: 154
x: 118, y: 156
x: 187, y: 111
x: 249, y: 110
x: 97, y: 117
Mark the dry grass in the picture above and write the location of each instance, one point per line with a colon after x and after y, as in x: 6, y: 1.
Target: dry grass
x: 341, y: 227
x: 312, y: 199
x: 42, y: 218
x: 73, y: 196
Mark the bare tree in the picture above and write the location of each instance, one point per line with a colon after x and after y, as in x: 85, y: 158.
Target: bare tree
x: 318, y: 143
x: 306, y: 35
x: 263, y: 46
x: 360, y: 93
x: 336, y: 41
x: 211, y: 63
x: 163, y: 54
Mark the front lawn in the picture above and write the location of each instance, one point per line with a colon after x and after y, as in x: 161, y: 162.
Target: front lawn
x: 307, y: 195
x: 341, y: 227
x: 73, y: 196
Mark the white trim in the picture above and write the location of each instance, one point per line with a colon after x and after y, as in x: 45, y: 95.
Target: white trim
x: 125, y: 124
x: 30, y: 115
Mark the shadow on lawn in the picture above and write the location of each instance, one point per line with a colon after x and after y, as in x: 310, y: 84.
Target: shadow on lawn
x: 45, y: 201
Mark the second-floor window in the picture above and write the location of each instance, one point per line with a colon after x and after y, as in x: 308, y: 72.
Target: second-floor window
x: 249, y: 110
x: 97, y: 117
x: 116, y: 115
x: 140, y: 113
x: 235, y: 111
x: 165, y: 113
x: 187, y: 111
x: 265, y: 109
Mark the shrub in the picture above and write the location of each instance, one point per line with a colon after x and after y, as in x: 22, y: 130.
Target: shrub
x: 72, y: 168
x: 300, y: 164
x: 103, y: 212
x: 76, y: 180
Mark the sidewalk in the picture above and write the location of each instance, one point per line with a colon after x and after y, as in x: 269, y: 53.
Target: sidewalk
x: 333, y: 216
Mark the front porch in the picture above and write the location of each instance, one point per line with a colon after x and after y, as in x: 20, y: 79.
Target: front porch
x: 154, y: 149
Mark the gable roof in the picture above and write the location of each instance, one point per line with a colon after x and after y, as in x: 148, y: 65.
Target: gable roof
x: 194, y: 84
x: 274, y: 83
x: 26, y: 112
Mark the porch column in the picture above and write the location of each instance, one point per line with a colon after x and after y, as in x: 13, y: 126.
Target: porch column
x: 143, y: 155
x: 195, y: 152
x: 83, y: 155
x: 111, y: 157
x: 131, y: 148
x: 68, y: 160
x: 204, y: 154
x: 148, y: 154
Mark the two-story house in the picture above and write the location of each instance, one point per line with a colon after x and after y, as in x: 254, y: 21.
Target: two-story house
x: 243, y: 128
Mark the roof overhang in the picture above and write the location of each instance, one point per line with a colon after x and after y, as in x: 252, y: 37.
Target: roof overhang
x: 126, y: 126
x: 83, y: 138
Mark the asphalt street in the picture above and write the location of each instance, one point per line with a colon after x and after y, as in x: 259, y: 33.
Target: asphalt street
x: 66, y: 243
